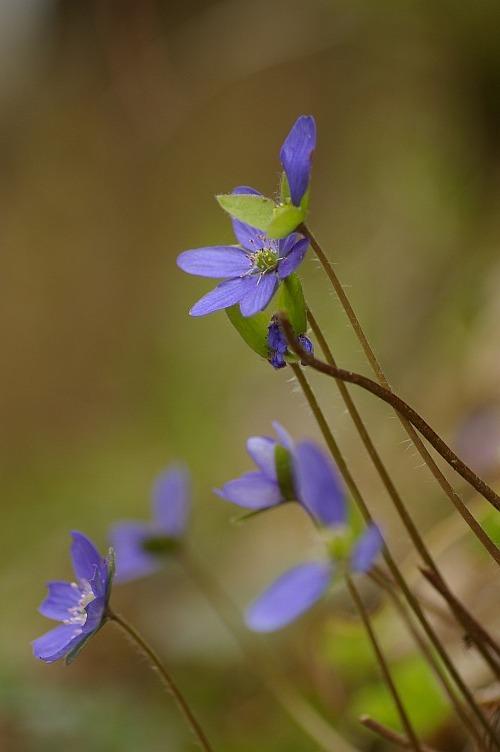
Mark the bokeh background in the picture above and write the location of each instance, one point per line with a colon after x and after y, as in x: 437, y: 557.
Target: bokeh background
x: 119, y: 121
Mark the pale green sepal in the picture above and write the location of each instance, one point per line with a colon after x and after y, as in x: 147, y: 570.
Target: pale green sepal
x: 290, y: 299
x: 256, y: 211
x: 76, y: 651
x: 285, y: 189
x: 253, y: 329
x: 285, y: 219
x: 284, y: 472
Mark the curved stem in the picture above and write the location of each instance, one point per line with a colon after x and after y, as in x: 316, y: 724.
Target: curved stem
x: 148, y: 651
x: 292, y: 702
x: 393, y: 567
x: 377, y: 369
x: 404, y: 409
x: 405, y: 517
x: 389, y: 734
x: 414, y: 742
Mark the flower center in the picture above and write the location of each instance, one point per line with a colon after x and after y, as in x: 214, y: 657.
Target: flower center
x: 77, y: 614
x: 265, y: 260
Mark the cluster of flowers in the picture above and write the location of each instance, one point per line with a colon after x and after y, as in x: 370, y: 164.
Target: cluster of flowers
x: 252, y: 272
x: 286, y: 472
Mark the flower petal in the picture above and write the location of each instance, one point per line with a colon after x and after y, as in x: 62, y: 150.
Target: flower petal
x: 62, y: 596
x: 86, y: 558
x: 132, y: 561
x: 319, y: 487
x: 367, y: 549
x: 260, y: 293
x: 249, y: 237
x: 284, y: 437
x: 252, y: 491
x: 293, y: 259
x: 224, y: 295
x: 261, y: 450
x: 296, y: 154
x: 56, y: 643
x: 287, y: 598
x: 171, y: 501
x: 217, y: 261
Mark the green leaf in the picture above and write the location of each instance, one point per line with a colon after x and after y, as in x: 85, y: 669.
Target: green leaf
x: 285, y: 219
x: 253, y: 329
x: 256, y: 211
x: 290, y: 299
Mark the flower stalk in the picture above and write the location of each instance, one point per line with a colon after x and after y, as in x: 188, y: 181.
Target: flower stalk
x: 148, y: 651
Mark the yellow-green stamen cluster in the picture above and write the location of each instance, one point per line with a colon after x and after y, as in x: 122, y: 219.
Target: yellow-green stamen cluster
x: 265, y: 260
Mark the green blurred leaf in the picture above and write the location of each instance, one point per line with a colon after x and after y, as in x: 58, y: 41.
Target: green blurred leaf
x: 417, y: 685
x: 285, y: 219
x: 256, y: 211
x: 253, y: 329
x: 284, y: 472
x: 290, y: 299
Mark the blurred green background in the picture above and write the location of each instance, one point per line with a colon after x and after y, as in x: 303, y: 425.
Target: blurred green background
x: 119, y: 121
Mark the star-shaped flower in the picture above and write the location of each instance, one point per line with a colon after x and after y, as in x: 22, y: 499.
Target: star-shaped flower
x: 80, y: 606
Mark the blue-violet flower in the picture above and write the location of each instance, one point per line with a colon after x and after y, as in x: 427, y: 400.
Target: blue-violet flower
x: 80, y: 606
x: 300, y: 587
x: 296, y: 156
x: 140, y: 547
x: 278, y: 346
x: 251, y: 271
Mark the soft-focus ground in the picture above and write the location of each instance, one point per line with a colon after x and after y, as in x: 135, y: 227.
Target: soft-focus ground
x: 119, y: 122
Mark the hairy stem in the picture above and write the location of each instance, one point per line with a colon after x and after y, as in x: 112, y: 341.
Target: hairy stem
x: 148, y: 651
x: 377, y: 369
x: 402, y: 408
x: 299, y: 710
x: 405, y: 517
x: 414, y: 742
x: 396, y: 573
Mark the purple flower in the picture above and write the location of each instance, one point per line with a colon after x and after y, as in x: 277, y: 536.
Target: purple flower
x: 251, y: 271
x: 141, y: 547
x: 319, y: 490
x: 289, y: 472
x: 296, y: 156
x: 80, y: 606
x: 278, y: 347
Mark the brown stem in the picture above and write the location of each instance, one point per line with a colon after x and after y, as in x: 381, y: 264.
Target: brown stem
x: 404, y: 409
x: 148, y: 651
x: 413, y: 740
x: 393, y: 567
x: 389, y: 734
x: 387, y: 481
x: 475, y: 631
x: 370, y: 355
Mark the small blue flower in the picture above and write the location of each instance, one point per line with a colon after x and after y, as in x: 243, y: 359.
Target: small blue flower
x: 278, y: 347
x: 319, y: 490
x: 251, y: 271
x: 296, y: 156
x: 80, y: 606
x: 140, y: 547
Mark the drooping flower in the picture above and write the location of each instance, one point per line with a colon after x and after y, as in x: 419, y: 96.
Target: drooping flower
x: 80, y: 606
x: 251, y: 272
x: 278, y: 346
x: 296, y: 156
x: 141, y: 547
x: 300, y: 587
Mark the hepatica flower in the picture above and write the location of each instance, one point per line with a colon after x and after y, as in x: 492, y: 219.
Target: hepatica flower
x: 296, y: 157
x: 80, y: 606
x: 300, y: 587
x: 278, y: 346
x: 141, y: 547
x: 251, y: 272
